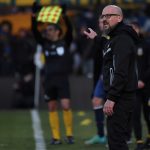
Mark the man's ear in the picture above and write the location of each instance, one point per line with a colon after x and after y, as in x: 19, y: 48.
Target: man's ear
x: 120, y: 18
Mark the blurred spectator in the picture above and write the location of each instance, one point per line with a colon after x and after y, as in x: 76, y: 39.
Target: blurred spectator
x: 82, y: 47
x: 24, y: 47
x: 6, y: 48
x: 143, y: 57
x: 84, y: 52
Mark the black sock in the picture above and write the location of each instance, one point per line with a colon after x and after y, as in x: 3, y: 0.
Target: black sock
x: 99, y: 118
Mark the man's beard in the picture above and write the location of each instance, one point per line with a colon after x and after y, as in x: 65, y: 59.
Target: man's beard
x: 108, y: 29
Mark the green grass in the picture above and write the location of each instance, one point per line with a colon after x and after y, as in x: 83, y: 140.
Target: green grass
x: 16, y: 131
x: 81, y: 133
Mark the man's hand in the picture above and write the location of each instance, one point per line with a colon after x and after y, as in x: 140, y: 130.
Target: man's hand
x: 141, y: 84
x: 108, y: 107
x: 91, y: 34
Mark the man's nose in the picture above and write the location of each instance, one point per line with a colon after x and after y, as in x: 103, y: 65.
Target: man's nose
x: 103, y: 19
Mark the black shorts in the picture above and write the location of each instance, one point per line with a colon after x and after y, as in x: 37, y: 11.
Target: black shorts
x: 57, y: 88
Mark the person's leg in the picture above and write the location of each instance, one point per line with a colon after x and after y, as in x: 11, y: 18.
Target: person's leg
x: 64, y: 94
x: 117, y: 125
x: 99, y: 115
x: 99, y: 120
x: 146, y: 112
x: 68, y: 120
x: 54, y: 121
x: 137, y: 125
x: 67, y: 116
x: 50, y: 97
x: 97, y: 103
x: 137, y: 118
x: 129, y: 131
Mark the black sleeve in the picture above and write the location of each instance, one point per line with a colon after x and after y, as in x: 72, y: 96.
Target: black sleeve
x: 121, y: 60
x: 68, y: 36
x: 146, y: 75
x: 36, y: 33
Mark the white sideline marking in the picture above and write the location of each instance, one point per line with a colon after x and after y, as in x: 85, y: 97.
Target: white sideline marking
x: 38, y: 133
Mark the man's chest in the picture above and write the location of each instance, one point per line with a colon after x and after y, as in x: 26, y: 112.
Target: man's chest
x: 54, y: 50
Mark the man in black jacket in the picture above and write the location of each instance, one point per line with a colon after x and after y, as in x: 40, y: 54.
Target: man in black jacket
x: 119, y: 75
x: 57, y: 69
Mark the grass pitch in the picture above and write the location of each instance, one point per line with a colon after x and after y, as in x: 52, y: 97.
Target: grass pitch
x: 16, y: 131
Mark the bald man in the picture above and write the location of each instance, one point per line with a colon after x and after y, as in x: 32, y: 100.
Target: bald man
x: 119, y: 74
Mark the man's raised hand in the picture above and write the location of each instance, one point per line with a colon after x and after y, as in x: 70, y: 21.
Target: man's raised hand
x: 91, y: 34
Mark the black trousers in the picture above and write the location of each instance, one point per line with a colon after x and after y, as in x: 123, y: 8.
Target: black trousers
x: 117, y: 124
x: 141, y: 102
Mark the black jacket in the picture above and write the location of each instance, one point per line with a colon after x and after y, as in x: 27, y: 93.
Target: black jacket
x: 119, y: 63
x: 57, y: 53
x: 143, y: 57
